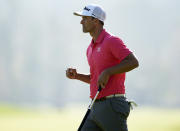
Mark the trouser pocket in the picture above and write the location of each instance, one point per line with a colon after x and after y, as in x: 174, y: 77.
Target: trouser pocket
x: 121, y: 106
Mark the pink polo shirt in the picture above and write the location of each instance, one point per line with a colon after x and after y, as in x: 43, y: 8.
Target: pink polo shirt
x: 106, y: 52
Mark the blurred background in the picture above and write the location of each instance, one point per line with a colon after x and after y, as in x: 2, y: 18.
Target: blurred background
x: 40, y: 39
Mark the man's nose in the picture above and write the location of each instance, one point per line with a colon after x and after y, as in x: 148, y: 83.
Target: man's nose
x: 81, y: 22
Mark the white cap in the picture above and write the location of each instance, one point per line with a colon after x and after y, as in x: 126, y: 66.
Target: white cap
x: 94, y: 11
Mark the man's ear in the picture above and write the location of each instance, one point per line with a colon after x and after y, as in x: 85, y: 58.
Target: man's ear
x: 96, y: 21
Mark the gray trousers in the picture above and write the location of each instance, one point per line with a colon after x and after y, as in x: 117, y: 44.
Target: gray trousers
x: 108, y: 115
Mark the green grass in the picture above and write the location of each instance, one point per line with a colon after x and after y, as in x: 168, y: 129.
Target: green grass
x: 154, y: 120
x: 68, y: 119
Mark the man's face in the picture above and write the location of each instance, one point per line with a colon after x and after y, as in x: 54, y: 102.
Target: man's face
x: 87, y: 24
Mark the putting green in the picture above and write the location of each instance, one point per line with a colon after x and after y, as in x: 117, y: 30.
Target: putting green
x: 69, y: 118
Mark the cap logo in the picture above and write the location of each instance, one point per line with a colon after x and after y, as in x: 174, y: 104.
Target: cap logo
x: 86, y: 9
x: 94, y: 15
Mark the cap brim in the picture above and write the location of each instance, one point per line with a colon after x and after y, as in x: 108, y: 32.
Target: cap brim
x: 78, y: 13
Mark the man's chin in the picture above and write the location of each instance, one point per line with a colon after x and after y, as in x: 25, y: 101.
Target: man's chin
x: 85, y: 31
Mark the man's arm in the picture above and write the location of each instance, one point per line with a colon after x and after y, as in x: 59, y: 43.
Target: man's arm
x: 126, y: 65
x: 72, y: 74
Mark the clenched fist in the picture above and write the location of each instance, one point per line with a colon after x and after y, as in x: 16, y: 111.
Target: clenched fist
x: 71, y: 73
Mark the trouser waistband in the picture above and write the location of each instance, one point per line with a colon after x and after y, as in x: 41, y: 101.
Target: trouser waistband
x: 110, y: 96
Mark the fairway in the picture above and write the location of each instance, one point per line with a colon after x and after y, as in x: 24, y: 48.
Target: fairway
x: 69, y: 118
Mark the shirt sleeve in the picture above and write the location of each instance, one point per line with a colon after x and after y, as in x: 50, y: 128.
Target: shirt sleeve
x: 118, y: 48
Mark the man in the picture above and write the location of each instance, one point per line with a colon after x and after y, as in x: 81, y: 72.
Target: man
x: 109, y: 59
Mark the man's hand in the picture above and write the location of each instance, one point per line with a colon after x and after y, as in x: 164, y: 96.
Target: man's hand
x: 103, y: 79
x: 71, y: 73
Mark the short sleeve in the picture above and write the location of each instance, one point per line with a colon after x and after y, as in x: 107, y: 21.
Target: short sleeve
x: 118, y: 48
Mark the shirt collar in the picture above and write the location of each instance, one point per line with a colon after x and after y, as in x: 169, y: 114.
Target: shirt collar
x: 100, y: 37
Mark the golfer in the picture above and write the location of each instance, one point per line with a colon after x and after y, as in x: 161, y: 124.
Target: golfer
x: 109, y: 59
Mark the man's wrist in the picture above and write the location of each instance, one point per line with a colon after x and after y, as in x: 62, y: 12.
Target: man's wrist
x: 78, y: 76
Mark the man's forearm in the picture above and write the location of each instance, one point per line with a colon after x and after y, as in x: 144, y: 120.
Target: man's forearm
x: 83, y: 78
x: 128, y: 64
